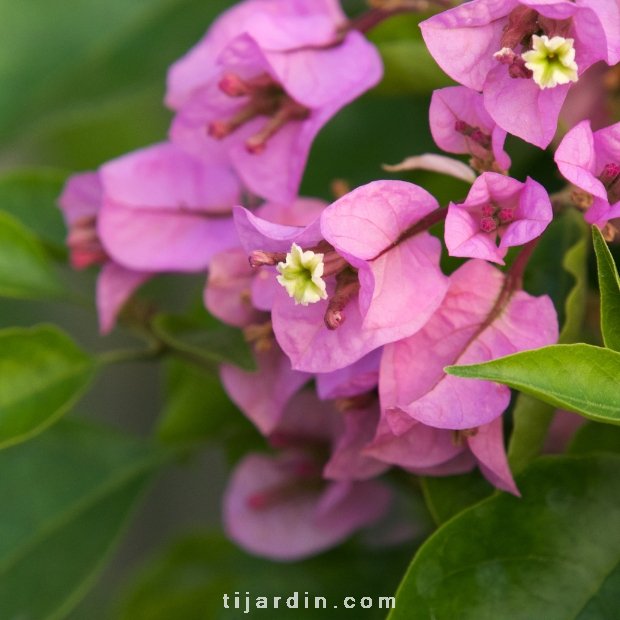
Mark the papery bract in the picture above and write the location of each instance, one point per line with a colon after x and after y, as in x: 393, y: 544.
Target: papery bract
x: 497, y: 205
x: 591, y: 161
x: 80, y: 203
x: 429, y: 451
x: 479, y: 44
x: 467, y: 328
x: 282, y: 508
x: 364, y: 228
x: 460, y: 124
x: 164, y: 210
x: 266, y: 77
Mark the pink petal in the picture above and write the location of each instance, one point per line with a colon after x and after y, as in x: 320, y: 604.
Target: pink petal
x: 81, y: 196
x: 576, y: 159
x: 115, y: 285
x: 262, y: 396
x: 165, y: 177
x: 228, y: 289
x: 358, y: 378
x: 163, y: 241
x: 488, y: 448
x: 347, y: 461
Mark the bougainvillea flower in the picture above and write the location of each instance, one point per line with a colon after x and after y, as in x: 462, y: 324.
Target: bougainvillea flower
x: 591, y: 161
x: 80, y: 202
x: 497, y: 206
x: 282, y: 507
x: 479, y: 320
x: 429, y: 451
x: 264, y: 80
x: 382, y: 276
x: 523, y: 55
x: 460, y: 124
x: 165, y: 210
x: 239, y: 295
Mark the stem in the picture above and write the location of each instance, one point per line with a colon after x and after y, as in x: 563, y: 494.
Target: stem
x: 420, y: 226
x: 372, y: 18
x: 121, y: 356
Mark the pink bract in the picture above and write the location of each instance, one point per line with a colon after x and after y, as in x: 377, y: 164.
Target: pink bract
x: 459, y: 104
x: 164, y: 210
x: 467, y: 328
x: 282, y: 508
x: 359, y: 226
x: 524, y: 207
x: 302, y: 48
x: 463, y: 41
x: 429, y: 451
x: 80, y: 202
x: 582, y: 157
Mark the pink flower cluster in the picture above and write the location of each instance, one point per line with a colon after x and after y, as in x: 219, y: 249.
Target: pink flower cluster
x: 350, y: 317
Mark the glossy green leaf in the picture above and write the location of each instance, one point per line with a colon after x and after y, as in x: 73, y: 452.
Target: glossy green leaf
x: 552, y: 555
x: 595, y: 437
x: 30, y: 195
x: 66, y: 498
x: 26, y: 270
x: 189, y: 582
x: 42, y: 375
x: 531, y: 416
x: 446, y: 496
x: 609, y: 285
x: 409, y: 69
x: 578, y: 377
x: 208, y: 344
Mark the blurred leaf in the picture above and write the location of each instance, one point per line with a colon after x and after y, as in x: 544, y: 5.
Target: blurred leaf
x: 609, y: 285
x: 557, y: 268
x: 66, y: 498
x: 577, y: 377
x: 83, y: 80
x: 409, y: 69
x: 189, y: 582
x: 532, y: 419
x: 446, y: 496
x: 30, y: 195
x: 197, y: 408
x: 595, y: 437
x: 555, y: 554
x: 208, y: 345
x: 42, y: 375
x: 404, y: 26
x: 26, y: 271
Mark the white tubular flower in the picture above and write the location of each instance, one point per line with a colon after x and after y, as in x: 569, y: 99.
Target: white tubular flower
x: 301, y: 276
x: 552, y: 61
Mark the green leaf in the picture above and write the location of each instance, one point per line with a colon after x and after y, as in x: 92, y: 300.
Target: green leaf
x: 554, y: 554
x: 26, y: 271
x: 531, y: 416
x: 578, y: 377
x: 189, y: 581
x: 42, y: 375
x: 197, y: 408
x: 532, y: 419
x: 409, y: 69
x: 208, y: 344
x: 30, y: 195
x: 66, y: 498
x: 446, y: 496
x: 594, y: 437
x: 609, y: 284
